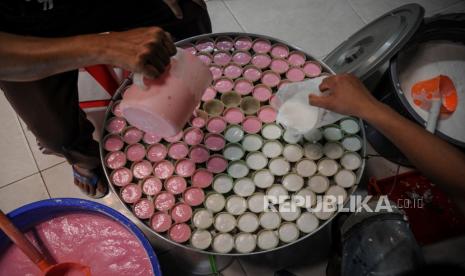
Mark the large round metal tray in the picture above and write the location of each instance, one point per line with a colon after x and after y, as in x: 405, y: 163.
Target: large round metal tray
x: 128, y: 81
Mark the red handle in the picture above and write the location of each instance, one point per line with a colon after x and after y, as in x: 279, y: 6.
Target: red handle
x: 22, y: 242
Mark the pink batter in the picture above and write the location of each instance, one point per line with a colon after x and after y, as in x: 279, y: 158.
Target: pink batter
x: 190, y: 48
x: 178, y: 150
x: 121, y: 177
x: 161, y: 222
x: 252, y: 73
x: 215, y: 125
x: 156, y: 152
x: 262, y: 93
x: 217, y: 164
x: 243, y: 43
x: 270, y: 79
x: 199, y: 154
x: 202, y: 178
x: 193, y: 136
x: 144, y: 208
x: 279, y: 66
x: 243, y: 86
x: 267, y: 114
x: 261, y: 46
x: 164, y: 201
x: 131, y: 193
x: 116, y: 109
x: 205, y: 46
x: 194, y: 196
x: 115, y: 125
x: 241, y: 58
x: 279, y: 51
x: 115, y: 159
x: 261, y: 60
x: 180, y: 232
x: 142, y: 169
x: 185, y: 167
x: 176, y: 185
x: 209, y: 94
x: 163, y: 169
x: 252, y: 125
x: 214, y: 142
x: 174, y: 138
x: 232, y: 71
x: 296, y: 59
x: 198, y: 122
x: 233, y: 115
x: 181, y: 212
x: 224, y: 44
x: 295, y: 74
x: 312, y: 69
x: 135, y: 152
x: 113, y: 142
x: 132, y: 135
x: 101, y: 243
x: 223, y: 85
x: 151, y: 139
x: 151, y: 186
x: 205, y: 58
x: 221, y: 58
x: 216, y: 71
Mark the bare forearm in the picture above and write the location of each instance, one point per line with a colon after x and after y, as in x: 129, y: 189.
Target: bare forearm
x: 439, y: 161
x: 30, y: 58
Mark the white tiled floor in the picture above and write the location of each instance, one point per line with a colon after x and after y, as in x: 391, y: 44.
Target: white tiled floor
x: 316, y: 26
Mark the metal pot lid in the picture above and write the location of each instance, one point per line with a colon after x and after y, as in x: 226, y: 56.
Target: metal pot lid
x: 375, y: 44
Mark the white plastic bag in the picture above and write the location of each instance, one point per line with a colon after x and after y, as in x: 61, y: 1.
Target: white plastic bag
x: 294, y: 111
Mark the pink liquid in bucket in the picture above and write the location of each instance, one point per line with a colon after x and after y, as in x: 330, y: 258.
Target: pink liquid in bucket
x: 167, y: 104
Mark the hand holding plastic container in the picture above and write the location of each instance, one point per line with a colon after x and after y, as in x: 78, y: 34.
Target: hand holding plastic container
x: 163, y: 106
x: 294, y: 111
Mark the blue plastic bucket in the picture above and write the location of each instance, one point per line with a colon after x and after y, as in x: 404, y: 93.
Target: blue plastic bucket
x: 27, y: 216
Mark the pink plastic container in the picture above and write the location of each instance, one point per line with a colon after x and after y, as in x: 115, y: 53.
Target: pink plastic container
x: 167, y: 104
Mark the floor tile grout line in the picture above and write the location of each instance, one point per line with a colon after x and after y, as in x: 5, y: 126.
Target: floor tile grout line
x: 33, y: 157
x: 232, y: 14
x: 52, y: 166
x: 356, y: 12
x: 20, y: 179
x: 242, y: 267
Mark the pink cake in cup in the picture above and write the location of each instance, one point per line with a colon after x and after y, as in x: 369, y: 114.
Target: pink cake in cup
x: 151, y: 139
x: 261, y: 61
x: 115, y: 160
x: 233, y: 115
x: 312, y: 69
x: 194, y: 196
x: 175, y: 138
x: 267, y: 114
x: 135, y: 152
x: 115, y: 125
x: 252, y: 125
x: 156, y: 152
x: 141, y: 169
x: 131, y: 193
x: 113, y: 142
x: 190, y: 48
x: 215, y: 125
x: 252, y: 73
x: 232, y: 71
x: 214, y: 142
x: 175, y: 184
x: 202, y: 178
x: 261, y: 46
x: 262, y: 92
x: 296, y: 58
x: 216, y: 71
x: 209, y: 94
x: 279, y: 65
x: 143, y: 208
x: 270, y: 78
x: 164, y: 201
x: 199, y: 154
x: 217, y: 164
x: 161, y: 222
x: 221, y: 58
x: 116, y: 109
x: 243, y: 86
x: 163, y: 169
x: 243, y: 43
x: 241, y: 57
x: 193, y: 136
x: 205, y: 45
x: 181, y: 212
x: 180, y: 233
x: 223, y: 85
x: 295, y: 74
x: 132, y: 135
x: 178, y: 150
x: 279, y: 51
x: 185, y: 167
x: 224, y: 43
x: 151, y: 186
x: 121, y: 177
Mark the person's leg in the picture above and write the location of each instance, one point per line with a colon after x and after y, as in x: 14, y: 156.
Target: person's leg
x: 378, y: 244
x: 50, y: 109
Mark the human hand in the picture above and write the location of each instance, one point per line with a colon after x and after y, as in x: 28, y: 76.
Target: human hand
x: 176, y: 9
x: 345, y: 94
x: 143, y: 50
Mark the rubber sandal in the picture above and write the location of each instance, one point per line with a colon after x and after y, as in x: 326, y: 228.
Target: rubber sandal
x: 91, y: 185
